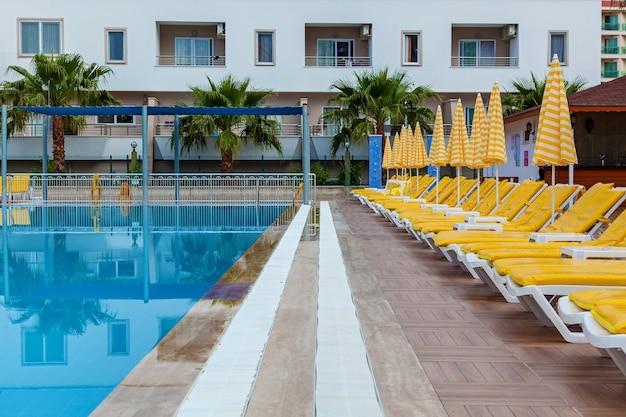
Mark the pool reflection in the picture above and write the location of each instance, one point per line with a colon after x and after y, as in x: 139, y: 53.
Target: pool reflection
x: 80, y: 309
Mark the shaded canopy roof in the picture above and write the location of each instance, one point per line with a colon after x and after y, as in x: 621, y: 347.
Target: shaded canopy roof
x: 605, y: 97
x: 164, y: 110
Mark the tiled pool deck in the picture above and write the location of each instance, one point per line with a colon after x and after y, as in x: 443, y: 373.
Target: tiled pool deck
x: 438, y: 342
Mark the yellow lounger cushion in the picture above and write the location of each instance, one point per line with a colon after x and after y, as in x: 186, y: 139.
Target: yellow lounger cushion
x: 559, y: 275
x: 588, y: 299
x: 611, y: 317
x: 508, y: 265
x: 449, y: 237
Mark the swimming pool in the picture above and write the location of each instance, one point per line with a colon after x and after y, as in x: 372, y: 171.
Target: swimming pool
x: 85, y: 296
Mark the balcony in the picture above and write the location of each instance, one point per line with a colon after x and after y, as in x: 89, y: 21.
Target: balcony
x: 499, y: 61
x: 613, y: 26
x: 612, y: 74
x: 191, y: 44
x: 337, y: 61
x: 614, y: 50
x: 337, y: 45
x: 191, y: 61
x: 484, y: 46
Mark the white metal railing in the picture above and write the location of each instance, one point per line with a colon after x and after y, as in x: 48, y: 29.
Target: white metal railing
x: 127, y: 189
x: 479, y: 61
x: 167, y: 129
x: 337, y: 61
x: 93, y: 129
x: 191, y: 61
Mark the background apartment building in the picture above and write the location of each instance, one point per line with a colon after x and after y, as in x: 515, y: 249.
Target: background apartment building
x: 159, y: 48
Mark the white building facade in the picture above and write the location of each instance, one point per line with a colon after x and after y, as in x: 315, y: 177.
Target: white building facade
x: 158, y: 48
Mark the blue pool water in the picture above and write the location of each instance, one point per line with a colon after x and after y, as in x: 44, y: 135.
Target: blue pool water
x: 87, y: 292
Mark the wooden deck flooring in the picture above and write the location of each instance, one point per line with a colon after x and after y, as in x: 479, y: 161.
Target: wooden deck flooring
x: 484, y: 356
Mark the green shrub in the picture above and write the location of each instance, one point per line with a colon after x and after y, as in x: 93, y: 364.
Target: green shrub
x: 356, y: 169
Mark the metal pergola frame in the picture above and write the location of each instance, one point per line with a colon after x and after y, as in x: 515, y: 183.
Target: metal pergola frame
x: 145, y: 111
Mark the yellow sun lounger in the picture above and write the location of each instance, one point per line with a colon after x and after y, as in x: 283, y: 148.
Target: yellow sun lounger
x: 478, y: 258
x: 532, y: 219
x: 417, y: 190
x: 20, y: 186
x: 573, y: 307
x: 466, y: 189
x: 445, y: 220
x: 538, y: 286
x: 584, y: 217
x: 602, y: 316
x: 446, y: 186
x: 595, y: 330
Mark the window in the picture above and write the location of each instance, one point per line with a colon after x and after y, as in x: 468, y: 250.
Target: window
x: 116, y: 46
x: 610, y: 70
x: 194, y: 51
x: 119, y: 337
x: 40, y: 37
x: 411, y: 48
x: 265, y: 48
x: 610, y: 46
x: 477, y: 53
x: 558, y: 46
x: 329, y: 126
x: 610, y: 22
x: 43, y: 348
x: 116, y: 269
x: 115, y: 119
x: 166, y: 324
x: 335, y: 52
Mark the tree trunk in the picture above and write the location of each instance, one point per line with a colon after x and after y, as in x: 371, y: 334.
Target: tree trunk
x: 227, y: 162
x: 58, y: 144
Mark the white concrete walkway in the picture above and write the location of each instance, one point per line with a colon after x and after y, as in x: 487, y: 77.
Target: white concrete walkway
x: 224, y: 385
x: 344, y: 384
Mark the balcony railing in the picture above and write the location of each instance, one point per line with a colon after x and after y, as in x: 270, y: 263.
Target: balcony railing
x: 613, y: 26
x: 106, y: 130
x: 489, y: 62
x: 191, y: 61
x: 614, y: 50
x: 337, y: 61
x: 167, y: 128
x: 612, y: 74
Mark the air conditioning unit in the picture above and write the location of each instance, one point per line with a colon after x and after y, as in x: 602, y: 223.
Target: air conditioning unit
x: 366, y: 31
x: 509, y: 32
x: 221, y: 30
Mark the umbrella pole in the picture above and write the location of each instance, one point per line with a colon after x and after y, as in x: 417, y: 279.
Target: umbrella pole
x: 458, y: 186
x: 497, y: 191
x: 552, y: 216
x: 437, y: 188
x: 478, y: 183
x: 570, y: 174
x: 417, y: 180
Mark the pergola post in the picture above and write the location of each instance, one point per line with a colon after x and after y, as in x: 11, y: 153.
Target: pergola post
x: 306, y: 155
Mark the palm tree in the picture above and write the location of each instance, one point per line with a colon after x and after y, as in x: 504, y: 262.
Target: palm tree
x: 57, y: 81
x: 529, y: 92
x: 229, y: 92
x: 375, y: 99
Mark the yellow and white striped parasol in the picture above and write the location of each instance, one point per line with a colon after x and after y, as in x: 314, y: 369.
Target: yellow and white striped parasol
x: 458, y: 144
x: 388, y: 155
x: 404, y: 150
x: 421, y: 158
x: 478, y: 138
x: 495, y: 145
x: 438, y: 155
x: 396, y: 152
x: 555, y: 139
x: 554, y: 144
